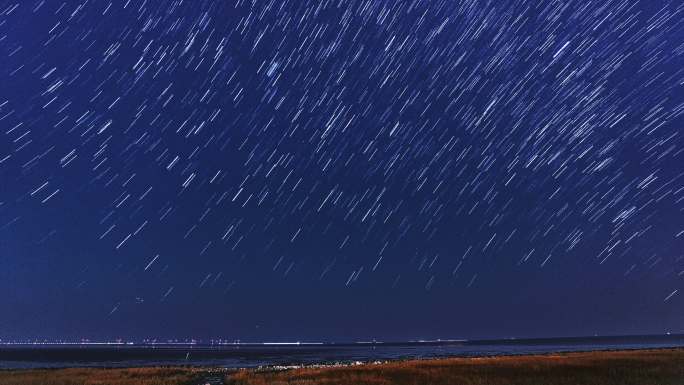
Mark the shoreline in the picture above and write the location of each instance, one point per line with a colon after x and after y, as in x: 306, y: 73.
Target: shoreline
x: 341, y: 363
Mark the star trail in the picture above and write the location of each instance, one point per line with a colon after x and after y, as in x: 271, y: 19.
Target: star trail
x: 341, y: 169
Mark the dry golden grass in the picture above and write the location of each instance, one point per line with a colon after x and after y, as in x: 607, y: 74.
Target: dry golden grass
x: 645, y: 367
x: 92, y: 376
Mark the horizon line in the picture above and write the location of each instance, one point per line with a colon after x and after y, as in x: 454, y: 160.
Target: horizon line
x: 237, y: 342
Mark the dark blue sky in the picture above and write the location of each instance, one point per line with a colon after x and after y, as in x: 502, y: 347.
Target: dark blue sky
x: 341, y: 170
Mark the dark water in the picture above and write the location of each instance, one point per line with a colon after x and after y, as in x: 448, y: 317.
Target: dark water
x: 234, y: 356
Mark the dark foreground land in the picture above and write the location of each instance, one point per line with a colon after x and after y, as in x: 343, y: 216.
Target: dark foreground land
x: 642, y: 367
x: 93, y: 376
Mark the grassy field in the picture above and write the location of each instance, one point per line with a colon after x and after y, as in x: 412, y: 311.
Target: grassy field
x: 132, y: 376
x: 642, y: 367
x: 654, y: 367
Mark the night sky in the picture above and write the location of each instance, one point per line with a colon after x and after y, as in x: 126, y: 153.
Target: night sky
x: 341, y: 170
